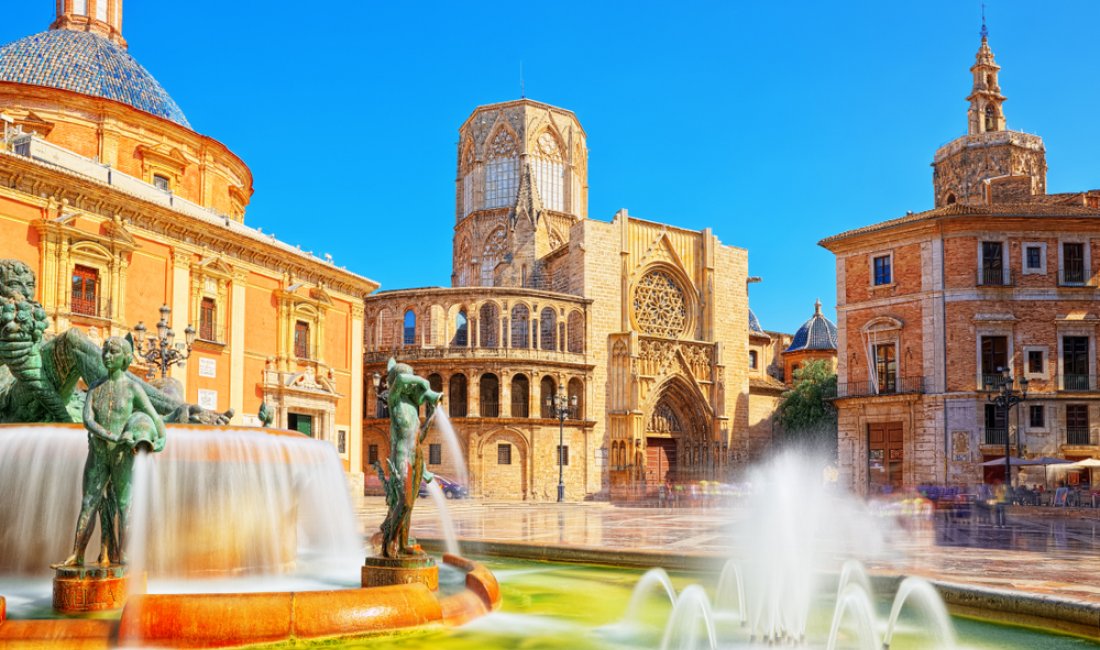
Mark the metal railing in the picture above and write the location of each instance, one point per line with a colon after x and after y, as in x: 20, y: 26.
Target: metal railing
x: 995, y: 277
x: 866, y: 388
x: 1076, y: 383
x: 1078, y: 436
x: 413, y: 353
x: 1073, y: 275
x: 996, y: 435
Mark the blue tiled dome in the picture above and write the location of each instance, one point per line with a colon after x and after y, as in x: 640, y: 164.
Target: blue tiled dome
x: 88, y: 64
x: 754, y: 323
x: 818, y: 333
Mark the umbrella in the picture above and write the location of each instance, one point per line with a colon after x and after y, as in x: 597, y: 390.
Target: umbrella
x: 1089, y: 464
x: 1012, y: 460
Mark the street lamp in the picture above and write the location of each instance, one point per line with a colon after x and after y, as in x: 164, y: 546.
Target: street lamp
x: 561, y: 407
x: 162, y: 352
x: 1006, y: 399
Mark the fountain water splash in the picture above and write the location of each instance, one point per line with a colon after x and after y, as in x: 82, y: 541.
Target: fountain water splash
x: 691, y: 611
x: 855, y: 600
x: 923, y: 594
x: 446, y: 430
x: 648, y: 583
x: 446, y: 523
x: 853, y: 571
x: 144, y: 482
x: 730, y: 587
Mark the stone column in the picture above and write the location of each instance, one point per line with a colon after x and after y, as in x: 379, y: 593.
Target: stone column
x: 473, y: 395
x: 237, y: 380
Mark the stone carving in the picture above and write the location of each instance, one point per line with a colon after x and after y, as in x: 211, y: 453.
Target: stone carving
x: 664, y: 420
x: 660, y: 308
x: 39, y: 373
x: 503, y: 145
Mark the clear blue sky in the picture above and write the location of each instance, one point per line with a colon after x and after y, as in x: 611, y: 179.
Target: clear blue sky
x: 774, y: 123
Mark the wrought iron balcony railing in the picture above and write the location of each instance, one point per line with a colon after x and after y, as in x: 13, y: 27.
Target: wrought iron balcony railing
x: 996, y: 435
x: 1076, y: 383
x: 1078, y: 436
x: 995, y: 277
x: 885, y: 386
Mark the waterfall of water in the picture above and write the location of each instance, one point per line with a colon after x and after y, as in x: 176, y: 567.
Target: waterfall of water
x: 445, y: 522
x: 924, y: 595
x: 454, y: 448
x: 141, y: 515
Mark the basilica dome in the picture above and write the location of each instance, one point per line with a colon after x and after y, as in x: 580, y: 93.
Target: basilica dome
x: 86, y: 63
x: 818, y: 333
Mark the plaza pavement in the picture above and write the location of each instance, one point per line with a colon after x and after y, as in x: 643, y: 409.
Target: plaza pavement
x: 1039, y: 552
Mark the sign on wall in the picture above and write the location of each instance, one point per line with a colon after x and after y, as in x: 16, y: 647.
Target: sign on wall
x: 208, y: 399
x: 208, y: 367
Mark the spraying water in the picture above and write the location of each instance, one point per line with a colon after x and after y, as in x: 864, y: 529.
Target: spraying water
x: 446, y: 430
x: 653, y: 580
x: 692, y: 611
x: 924, y: 595
x: 449, y: 537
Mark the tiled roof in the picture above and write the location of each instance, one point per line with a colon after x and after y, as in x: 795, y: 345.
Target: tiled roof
x: 1032, y: 209
x: 818, y: 333
x: 754, y: 323
x: 87, y: 64
x: 766, y: 383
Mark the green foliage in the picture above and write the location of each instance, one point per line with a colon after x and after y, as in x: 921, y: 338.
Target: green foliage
x: 805, y: 414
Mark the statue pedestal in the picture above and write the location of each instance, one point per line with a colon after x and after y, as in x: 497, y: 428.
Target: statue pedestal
x: 382, y: 571
x: 90, y: 588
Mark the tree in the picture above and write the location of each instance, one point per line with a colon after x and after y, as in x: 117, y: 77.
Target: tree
x: 806, y: 416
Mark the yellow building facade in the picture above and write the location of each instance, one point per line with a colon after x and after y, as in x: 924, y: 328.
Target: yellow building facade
x: 120, y: 207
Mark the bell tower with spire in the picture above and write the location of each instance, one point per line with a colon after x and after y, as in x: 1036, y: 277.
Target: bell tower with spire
x: 990, y: 164
x: 101, y: 17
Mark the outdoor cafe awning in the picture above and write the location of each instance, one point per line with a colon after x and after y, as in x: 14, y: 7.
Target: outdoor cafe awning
x: 1026, y: 462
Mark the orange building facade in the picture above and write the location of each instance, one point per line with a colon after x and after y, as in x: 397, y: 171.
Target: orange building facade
x: 120, y: 207
x: 935, y: 308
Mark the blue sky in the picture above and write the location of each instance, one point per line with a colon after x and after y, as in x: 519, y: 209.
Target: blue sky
x: 776, y: 124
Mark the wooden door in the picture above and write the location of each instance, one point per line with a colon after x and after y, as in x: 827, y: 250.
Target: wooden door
x: 885, y: 456
x: 660, y: 460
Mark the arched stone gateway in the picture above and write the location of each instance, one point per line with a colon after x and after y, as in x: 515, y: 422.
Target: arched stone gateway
x: 502, y: 459
x: 678, y: 443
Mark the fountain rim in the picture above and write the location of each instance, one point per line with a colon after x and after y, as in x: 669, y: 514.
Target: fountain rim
x: 169, y: 425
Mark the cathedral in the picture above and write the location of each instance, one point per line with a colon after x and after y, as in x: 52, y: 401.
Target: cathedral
x: 600, y: 358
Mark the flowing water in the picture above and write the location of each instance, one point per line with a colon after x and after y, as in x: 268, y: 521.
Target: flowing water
x: 442, y: 423
x: 450, y: 539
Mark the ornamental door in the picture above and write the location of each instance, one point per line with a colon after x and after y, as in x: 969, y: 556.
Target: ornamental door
x: 660, y: 461
x: 884, y: 457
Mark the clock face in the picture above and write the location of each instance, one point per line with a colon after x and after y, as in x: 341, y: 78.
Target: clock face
x: 547, y: 144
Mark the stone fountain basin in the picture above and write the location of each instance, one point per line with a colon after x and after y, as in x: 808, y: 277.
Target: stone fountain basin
x: 236, y: 620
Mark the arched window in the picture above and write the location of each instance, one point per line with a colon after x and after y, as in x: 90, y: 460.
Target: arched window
x: 521, y: 389
x: 753, y: 362
x: 521, y: 332
x: 492, y: 255
x: 489, y: 403
x: 489, y: 325
x: 548, y: 388
x: 435, y: 381
x: 408, y: 336
x: 101, y: 10
x: 502, y: 171
x: 548, y: 328
x: 462, y: 263
x: 462, y: 331
x: 575, y: 389
x: 549, y: 172
x: 469, y: 178
x: 456, y: 396
x: 80, y: 7
x: 951, y: 199
x: 576, y: 332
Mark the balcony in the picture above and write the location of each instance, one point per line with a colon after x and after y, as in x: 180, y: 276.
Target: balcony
x: 996, y: 435
x: 1078, y: 436
x: 995, y: 277
x: 417, y: 353
x: 899, y: 386
x: 1076, y: 383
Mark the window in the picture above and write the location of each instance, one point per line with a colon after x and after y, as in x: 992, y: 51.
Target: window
x: 80, y: 7
x: 435, y: 382
x: 547, y: 329
x: 435, y: 453
x: 576, y: 332
x: 101, y: 10
x: 456, y: 399
x: 489, y: 404
x: 301, y: 339
x: 1036, y: 416
x: 563, y: 455
x: 882, y: 270
x: 488, y: 325
x: 1075, y: 362
x: 752, y: 359
x: 886, y: 367
x: 462, y: 331
x: 372, y: 454
x: 501, y: 171
x: 1034, y: 257
x: 547, y: 389
x: 162, y: 183
x: 85, y: 286
x: 208, y: 310
x: 342, y: 441
x: 521, y: 388
x: 504, y: 454
x: 1073, y: 263
x: 550, y: 179
x: 1036, y: 363
x: 408, y: 336
x: 993, y: 268
x: 300, y: 423
x: 521, y: 336
x: 996, y: 425
x: 575, y: 391
x: 1077, y: 424
x: 994, y: 359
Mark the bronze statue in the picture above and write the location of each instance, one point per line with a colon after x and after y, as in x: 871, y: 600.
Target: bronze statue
x: 404, y: 394
x: 121, y: 421
x: 39, y: 373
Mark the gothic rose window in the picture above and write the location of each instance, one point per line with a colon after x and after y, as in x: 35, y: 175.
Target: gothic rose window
x: 659, y: 305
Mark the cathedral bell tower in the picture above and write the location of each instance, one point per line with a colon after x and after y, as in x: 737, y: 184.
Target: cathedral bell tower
x: 990, y: 164
x: 102, y: 17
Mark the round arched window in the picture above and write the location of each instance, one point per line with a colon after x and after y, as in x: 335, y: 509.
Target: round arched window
x: 660, y: 308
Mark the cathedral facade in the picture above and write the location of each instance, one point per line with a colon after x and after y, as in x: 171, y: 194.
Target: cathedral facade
x: 120, y: 207
x: 640, y: 329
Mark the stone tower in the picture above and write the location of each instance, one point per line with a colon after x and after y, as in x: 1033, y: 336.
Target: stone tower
x: 989, y: 163
x: 522, y: 183
x: 103, y: 17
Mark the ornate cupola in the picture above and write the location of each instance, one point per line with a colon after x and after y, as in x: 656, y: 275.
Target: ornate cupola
x: 102, y: 17
x: 990, y: 164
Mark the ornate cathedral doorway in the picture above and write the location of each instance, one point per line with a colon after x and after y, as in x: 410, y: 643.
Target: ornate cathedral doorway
x: 663, y: 433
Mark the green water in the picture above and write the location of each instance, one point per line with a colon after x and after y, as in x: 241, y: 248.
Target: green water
x: 575, y: 607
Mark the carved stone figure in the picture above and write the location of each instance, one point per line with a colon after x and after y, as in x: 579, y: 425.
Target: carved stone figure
x: 404, y: 394
x: 121, y: 421
x: 39, y: 373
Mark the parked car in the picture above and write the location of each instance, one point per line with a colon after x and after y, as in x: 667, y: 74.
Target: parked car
x: 451, y: 489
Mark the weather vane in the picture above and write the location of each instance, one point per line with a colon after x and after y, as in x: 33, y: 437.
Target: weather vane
x: 985, y: 32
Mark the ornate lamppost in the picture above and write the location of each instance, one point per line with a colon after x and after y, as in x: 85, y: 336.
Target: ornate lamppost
x: 1006, y: 399
x: 162, y: 352
x: 561, y: 406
